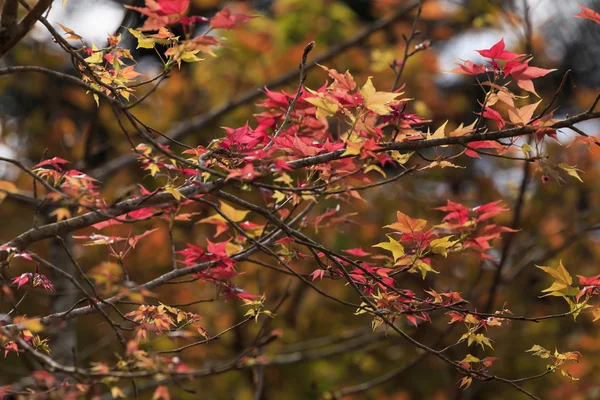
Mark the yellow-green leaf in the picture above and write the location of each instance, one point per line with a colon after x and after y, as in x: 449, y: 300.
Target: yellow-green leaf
x: 423, y: 267
x: 393, y: 246
x: 326, y: 107
x: 232, y: 213
x: 377, y: 101
x: 143, y: 41
x: 572, y: 171
x: 96, y: 57
x: 441, y: 246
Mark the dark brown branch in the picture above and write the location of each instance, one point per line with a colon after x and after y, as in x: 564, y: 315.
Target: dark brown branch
x: 25, y: 25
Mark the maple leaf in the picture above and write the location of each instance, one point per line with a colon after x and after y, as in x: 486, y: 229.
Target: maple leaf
x: 484, y: 144
x: 489, y: 210
x: 157, y: 18
x: 247, y: 172
x: 562, y: 281
x: 71, y: 34
x: 469, y: 68
x: 174, y: 192
x: 326, y: 106
x: 143, y: 41
x: 224, y: 19
x: 55, y: 162
x: 135, y: 239
x: 232, y: 213
x: 341, y: 82
x: 357, y: 252
x: 378, y: 102
x: 171, y: 7
x: 318, y: 273
x: 494, y: 115
x: 188, y: 21
x: 128, y: 73
x: 588, y: 13
x: 441, y: 246
x: 441, y: 164
x: 393, y: 246
x: 95, y: 57
x: 497, y: 52
x: 439, y: 133
x: 22, y: 279
x: 407, y: 224
x: 61, y: 214
x: 456, y: 212
x: 589, y: 281
x: 465, y: 382
x: 523, y: 74
x: 572, y: 171
x: 522, y: 116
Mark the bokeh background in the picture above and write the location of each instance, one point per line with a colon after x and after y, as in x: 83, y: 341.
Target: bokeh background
x: 41, y: 116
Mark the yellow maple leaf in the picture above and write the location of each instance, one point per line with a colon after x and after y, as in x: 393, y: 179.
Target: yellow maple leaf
x: 393, y: 246
x: 572, y: 171
x: 61, y: 214
x: 96, y: 57
x: 423, y: 267
x: 326, y: 106
x: 441, y: 246
x: 174, y: 192
x: 232, y: 213
x: 143, y: 41
x: 439, y: 133
x: 442, y: 164
x: 561, y: 286
x: 377, y: 101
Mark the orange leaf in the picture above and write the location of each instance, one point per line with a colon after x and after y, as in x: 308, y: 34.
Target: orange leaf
x: 407, y: 224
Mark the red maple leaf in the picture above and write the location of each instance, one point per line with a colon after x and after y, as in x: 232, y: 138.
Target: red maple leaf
x: 469, y: 68
x: 217, y: 249
x: 484, y: 144
x: 489, y: 210
x: 55, y: 162
x: 455, y: 211
x: 588, y: 13
x: 171, y: 7
x: 523, y: 73
x: 495, y: 116
x: 357, y: 252
x: 497, y: 52
x: 224, y: 19
x: 22, y: 279
x: 590, y: 281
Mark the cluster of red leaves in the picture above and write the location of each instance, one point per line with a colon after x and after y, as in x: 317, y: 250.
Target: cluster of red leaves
x: 36, y: 279
x: 463, y: 220
x: 221, y: 267
x: 69, y: 184
x: 161, y: 13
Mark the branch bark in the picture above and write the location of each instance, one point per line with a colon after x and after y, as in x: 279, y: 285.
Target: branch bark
x: 26, y: 24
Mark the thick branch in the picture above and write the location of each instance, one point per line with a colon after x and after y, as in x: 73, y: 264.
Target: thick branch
x: 25, y: 25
